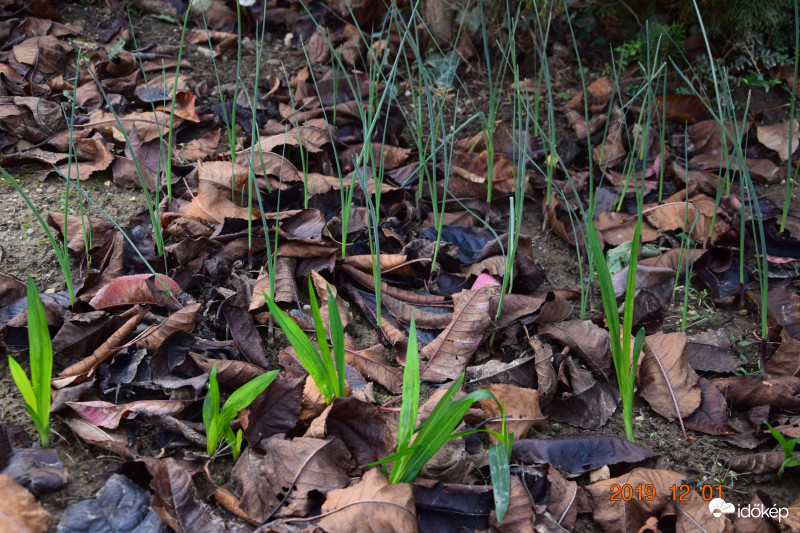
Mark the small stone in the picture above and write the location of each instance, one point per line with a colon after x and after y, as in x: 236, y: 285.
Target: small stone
x: 691, y: 312
x: 29, y: 231
x: 601, y: 474
x: 107, y: 183
x: 287, y: 40
x: 743, y: 312
x: 133, y: 198
x: 639, y: 418
x: 39, y: 189
x: 51, y: 290
x: 274, y: 62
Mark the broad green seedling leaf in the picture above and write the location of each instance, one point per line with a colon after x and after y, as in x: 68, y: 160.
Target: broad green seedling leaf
x: 36, y: 391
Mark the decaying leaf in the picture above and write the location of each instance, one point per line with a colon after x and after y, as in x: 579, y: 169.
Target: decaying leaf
x: 666, y: 378
x: 450, y: 353
x: 372, y: 506
x: 19, y: 511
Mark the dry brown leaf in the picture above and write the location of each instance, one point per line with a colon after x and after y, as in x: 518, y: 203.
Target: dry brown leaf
x: 422, y: 318
x: 450, y: 353
x: 519, y: 516
x: 321, y: 286
x: 182, y: 320
x: 776, y: 137
x: 371, y: 506
x: 213, y: 205
x: 285, y: 287
x: 199, y: 149
x: 599, y: 93
x: 84, y: 369
x: 518, y: 403
x: 298, y: 471
x: 19, y: 512
x: 567, y: 499
x: 113, y: 440
x: 474, y: 168
x: 223, y: 173
x: 586, y: 339
x: 627, y: 516
x: 786, y: 360
x: 618, y: 227
x: 674, y: 212
x: 782, y: 392
x: 666, y: 354
x: 374, y: 365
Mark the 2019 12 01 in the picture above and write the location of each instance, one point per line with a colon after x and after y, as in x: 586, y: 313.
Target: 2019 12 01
x: 677, y: 493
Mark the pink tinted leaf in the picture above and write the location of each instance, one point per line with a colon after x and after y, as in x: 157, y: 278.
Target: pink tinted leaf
x: 129, y: 290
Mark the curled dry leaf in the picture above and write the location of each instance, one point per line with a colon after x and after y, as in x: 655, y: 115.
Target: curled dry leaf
x: 19, y: 512
x: 786, y: 360
x: 231, y: 374
x: 712, y: 415
x: 666, y: 377
x: 85, y: 368
x: 102, y: 231
x: 396, y: 264
x: 450, y: 353
x: 371, y: 506
x: 182, y: 320
x: 627, y: 516
x: 113, y: 440
x: 431, y: 318
x: 285, y: 287
x: 322, y: 286
x: 175, y: 500
x: 756, y: 463
x: 109, y: 415
x: 374, y: 365
x: 474, y: 169
x: 584, y: 338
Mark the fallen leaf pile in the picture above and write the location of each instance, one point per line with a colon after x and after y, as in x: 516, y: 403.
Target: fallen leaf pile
x: 132, y: 360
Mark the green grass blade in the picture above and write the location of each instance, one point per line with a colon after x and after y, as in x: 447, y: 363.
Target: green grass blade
x: 24, y: 386
x: 308, y: 355
x: 211, y: 412
x: 41, y: 351
x: 324, y: 349
x: 501, y: 478
x: 410, y: 407
x: 630, y: 291
x: 337, y: 340
x: 244, y: 396
x: 606, y: 288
